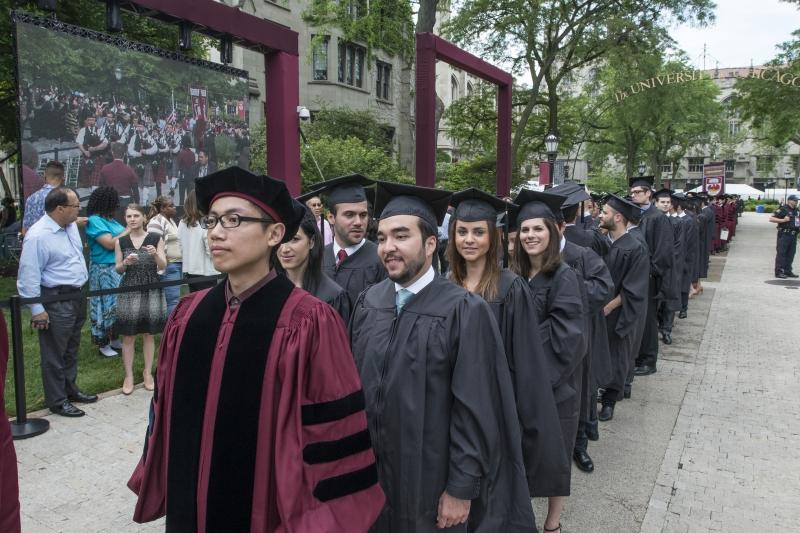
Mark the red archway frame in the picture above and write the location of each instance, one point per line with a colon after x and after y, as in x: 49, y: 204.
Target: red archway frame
x: 429, y: 49
x: 279, y: 45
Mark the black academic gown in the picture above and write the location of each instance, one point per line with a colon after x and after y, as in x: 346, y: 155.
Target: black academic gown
x: 690, y: 247
x: 710, y: 231
x: 332, y: 294
x: 659, y: 235
x: 441, y: 409
x: 588, y: 238
x: 598, y: 288
x: 679, y: 229
x: 562, y: 323
x: 357, y: 271
x: 629, y: 265
x: 547, y: 462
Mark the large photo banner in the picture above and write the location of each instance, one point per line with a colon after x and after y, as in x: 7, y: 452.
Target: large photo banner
x: 88, y: 99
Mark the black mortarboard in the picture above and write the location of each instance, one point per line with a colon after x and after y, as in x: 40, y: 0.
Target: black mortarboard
x: 574, y: 192
x: 345, y: 189
x: 303, y: 198
x: 642, y: 181
x: 629, y: 210
x: 597, y: 197
x: 472, y: 205
x: 533, y: 204
x: 267, y: 193
x: 393, y: 199
x: 663, y: 192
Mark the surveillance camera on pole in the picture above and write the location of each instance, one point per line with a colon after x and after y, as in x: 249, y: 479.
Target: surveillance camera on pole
x: 303, y: 113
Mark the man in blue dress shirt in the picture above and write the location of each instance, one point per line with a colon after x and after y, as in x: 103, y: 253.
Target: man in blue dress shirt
x: 51, y: 263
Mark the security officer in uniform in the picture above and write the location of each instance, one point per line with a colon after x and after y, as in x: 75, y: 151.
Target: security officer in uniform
x: 788, y: 220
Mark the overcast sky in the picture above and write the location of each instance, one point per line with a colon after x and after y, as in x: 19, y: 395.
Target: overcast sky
x: 744, y: 30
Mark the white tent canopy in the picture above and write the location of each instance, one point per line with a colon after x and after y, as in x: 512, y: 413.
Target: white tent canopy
x: 747, y: 192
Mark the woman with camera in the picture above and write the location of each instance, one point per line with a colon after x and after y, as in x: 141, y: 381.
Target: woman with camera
x: 139, y: 257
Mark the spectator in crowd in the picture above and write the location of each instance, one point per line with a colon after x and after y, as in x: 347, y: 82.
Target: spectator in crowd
x: 301, y: 260
x: 162, y: 223
x: 9, y: 484
x: 52, y: 263
x: 138, y: 256
x: 314, y: 204
x: 31, y: 181
x: 102, y: 234
x: 194, y: 246
x: 203, y: 167
x: 34, y: 206
x: 120, y: 176
x: 8, y: 215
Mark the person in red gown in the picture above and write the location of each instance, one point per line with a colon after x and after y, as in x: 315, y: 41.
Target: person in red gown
x: 257, y: 422
x: 9, y: 487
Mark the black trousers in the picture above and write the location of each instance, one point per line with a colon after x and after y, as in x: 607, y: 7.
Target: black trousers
x: 581, y: 439
x: 58, y: 346
x: 648, y: 350
x: 666, y: 318
x: 684, y: 301
x: 785, y: 248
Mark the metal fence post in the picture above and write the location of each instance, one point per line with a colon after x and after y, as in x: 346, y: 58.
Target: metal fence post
x: 23, y: 427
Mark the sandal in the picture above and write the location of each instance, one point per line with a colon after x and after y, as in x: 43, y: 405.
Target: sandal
x: 554, y: 530
x: 127, y: 389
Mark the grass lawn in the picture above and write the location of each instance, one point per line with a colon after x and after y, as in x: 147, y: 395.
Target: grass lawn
x: 95, y: 373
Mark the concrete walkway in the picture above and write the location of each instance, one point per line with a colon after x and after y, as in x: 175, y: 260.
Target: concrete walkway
x: 706, y: 444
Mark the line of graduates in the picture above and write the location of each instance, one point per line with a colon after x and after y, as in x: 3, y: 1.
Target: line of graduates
x: 360, y: 389
x: 727, y: 209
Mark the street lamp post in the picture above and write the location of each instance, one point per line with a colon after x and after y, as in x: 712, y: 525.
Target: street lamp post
x: 642, y: 168
x: 551, y: 146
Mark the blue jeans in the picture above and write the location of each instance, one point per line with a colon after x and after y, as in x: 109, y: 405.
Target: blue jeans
x: 172, y: 294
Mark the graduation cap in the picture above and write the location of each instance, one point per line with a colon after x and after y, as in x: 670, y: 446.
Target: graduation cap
x: 627, y: 209
x: 574, y: 192
x: 303, y: 198
x: 663, y: 192
x: 473, y: 205
x: 393, y: 199
x: 269, y: 194
x: 533, y: 204
x: 344, y: 189
x: 642, y: 181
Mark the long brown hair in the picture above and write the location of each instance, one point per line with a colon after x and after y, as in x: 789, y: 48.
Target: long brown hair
x: 487, y: 286
x: 156, y: 206
x: 551, y: 260
x: 191, y: 214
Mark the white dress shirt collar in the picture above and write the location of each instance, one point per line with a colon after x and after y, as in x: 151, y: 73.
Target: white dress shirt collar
x: 350, y: 249
x: 420, y: 284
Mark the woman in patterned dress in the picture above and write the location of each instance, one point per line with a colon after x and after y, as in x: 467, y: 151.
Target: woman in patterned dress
x: 139, y: 257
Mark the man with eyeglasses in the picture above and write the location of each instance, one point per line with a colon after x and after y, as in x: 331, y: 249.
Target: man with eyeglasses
x: 52, y: 263
x: 659, y: 236
x: 258, y: 421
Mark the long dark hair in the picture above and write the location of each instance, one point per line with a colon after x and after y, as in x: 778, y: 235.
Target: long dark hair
x: 551, y: 260
x: 487, y: 286
x: 313, y: 273
x: 104, y: 202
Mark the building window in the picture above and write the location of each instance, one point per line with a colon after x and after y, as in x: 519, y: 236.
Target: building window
x: 383, y: 79
x: 765, y: 163
x: 734, y: 126
x: 795, y: 168
x: 319, y: 61
x: 453, y: 89
x: 666, y: 168
x: 351, y: 64
x: 356, y: 8
x: 696, y: 164
x: 470, y: 89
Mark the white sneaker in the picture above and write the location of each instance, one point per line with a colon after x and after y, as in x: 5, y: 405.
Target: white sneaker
x: 116, y: 344
x: 108, y: 351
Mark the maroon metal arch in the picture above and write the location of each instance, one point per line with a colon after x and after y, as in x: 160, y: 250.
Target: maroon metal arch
x: 429, y: 49
x: 279, y: 45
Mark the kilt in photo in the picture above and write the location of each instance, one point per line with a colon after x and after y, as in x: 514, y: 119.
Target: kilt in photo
x: 89, y: 173
x: 103, y: 308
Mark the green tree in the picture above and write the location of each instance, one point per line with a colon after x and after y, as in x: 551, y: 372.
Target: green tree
x: 608, y: 181
x: 552, y: 39
x: 343, y: 122
x: 88, y: 14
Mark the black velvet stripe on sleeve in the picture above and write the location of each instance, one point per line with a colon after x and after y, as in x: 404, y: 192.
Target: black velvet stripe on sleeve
x: 333, y: 450
x: 188, y: 409
x: 320, y: 413
x: 339, y: 486
x: 233, y: 457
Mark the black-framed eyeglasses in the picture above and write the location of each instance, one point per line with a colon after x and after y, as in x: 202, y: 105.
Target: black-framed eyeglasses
x: 229, y: 221
x: 638, y: 191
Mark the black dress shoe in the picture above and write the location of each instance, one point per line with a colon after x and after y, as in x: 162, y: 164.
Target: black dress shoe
x: 583, y: 460
x: 781, y: 275
x: 67, y: 409
x: 81, y: 397
x: 667, y: 338
x: 644, y: 370
x: 792, y: 275
x: 626, y: 393
x: 606, y: 413
x: 682, y: 314
x: 592, y: 433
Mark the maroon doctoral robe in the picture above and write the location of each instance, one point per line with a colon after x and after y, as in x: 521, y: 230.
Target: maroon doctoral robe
x: 257, y: 422
x: 9, y: 488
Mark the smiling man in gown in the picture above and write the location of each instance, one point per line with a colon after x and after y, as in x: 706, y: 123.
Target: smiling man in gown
x: 257, y: 423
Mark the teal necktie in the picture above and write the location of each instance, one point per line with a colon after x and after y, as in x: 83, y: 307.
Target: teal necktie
x: 402, y: 297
